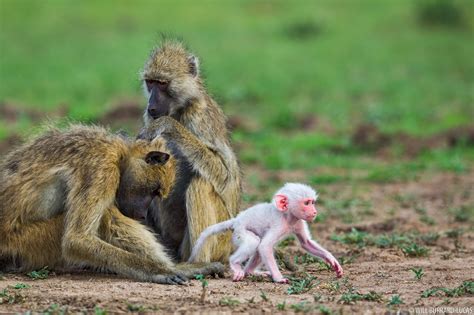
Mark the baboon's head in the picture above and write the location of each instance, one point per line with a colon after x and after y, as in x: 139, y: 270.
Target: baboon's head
x: 149, y: 173
x: 170, y: 80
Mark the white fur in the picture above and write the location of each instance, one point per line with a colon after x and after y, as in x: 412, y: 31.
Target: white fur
x: 259, y: 228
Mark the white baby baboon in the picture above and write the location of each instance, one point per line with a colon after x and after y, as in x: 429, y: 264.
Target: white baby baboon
x: 258, y: 229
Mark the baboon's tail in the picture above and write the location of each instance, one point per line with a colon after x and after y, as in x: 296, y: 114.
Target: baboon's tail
x: 210, y: 230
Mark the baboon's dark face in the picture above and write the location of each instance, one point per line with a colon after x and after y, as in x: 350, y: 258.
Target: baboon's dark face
x: 160, y: 100
x: 171, y: 81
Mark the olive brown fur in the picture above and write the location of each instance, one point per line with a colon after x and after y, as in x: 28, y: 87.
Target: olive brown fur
x: 58, y: 205
x: 208, y: 187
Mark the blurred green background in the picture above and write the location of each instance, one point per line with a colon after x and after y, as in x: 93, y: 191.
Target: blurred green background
x: 352, y: 86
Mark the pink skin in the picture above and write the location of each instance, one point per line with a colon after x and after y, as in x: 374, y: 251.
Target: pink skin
x: 307, y: 210
x: 261, y: 250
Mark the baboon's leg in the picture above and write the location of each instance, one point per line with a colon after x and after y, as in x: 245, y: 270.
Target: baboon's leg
x: 33, y: 245
x: 205, y: 208
x: 81, y: 242
x: 133, y: 237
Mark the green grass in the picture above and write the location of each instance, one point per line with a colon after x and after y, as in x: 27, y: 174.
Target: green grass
x: 397, y: 65
x: 21, y: 285
x: 409, y: 243
x: 418, y: 273
x: 135, y: 308
x: 8, y: 296
x: 39, y: 274
x: 303, y: 306
x: 395, y: 300
x: 351, y: 297
x: 465, y: 288
x: 415, y: 250
x: 99, y: 311
x: 301, y: 285
x: 228, y: 301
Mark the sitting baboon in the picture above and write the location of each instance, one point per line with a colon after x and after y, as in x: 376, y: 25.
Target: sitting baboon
x: 58, y: 204
x: 208, y: 184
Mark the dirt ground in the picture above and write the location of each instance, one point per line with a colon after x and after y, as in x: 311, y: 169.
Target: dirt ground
x: 394, y: 208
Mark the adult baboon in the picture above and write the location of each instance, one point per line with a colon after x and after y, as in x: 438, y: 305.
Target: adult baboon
x: 57, y: 204
x: 208, y: 186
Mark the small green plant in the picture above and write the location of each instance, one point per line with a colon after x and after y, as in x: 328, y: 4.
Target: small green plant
x: 395, y: 300
x: 345, y: 260
x: 322, y: 265
x: 8, y: 297
x: 290, y: 240
x: 351, y: 297
x: 466, y: 288
x: 427, y: 219
x: 418, y: 273
x: 306, y: 259
x: 228, y: 301
x: 454, y: 233
x: 415, y: 250
x: 263, y: 296
x: 281, y: 306
x: 40, y: 274
x: 463, y: 214
x: 204, y: 285
x: 135, y: 308
x: 99, y: 311
x: 317, y: 297
x: 325, y: 310
x: 303, y: 306
x: 56, y: 309
x: 335, y: 286
x: 21, y: 285
x: 301, y: 285
x: 353, y: 237
x: 430, y: 238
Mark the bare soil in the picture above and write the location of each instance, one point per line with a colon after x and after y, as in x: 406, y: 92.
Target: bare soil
x: 394, y: 208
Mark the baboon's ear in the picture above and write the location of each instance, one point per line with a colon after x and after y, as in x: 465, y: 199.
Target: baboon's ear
x: 193, y: 65
x: 281, y: 202
x: 157, y: 158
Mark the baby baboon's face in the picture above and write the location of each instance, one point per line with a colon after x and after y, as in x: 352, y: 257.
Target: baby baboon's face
x: 150, y: 173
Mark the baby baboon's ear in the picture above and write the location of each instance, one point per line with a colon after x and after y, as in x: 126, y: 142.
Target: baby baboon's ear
x: 157, y: 158
x: 281, y: 202
x: 193, y: 65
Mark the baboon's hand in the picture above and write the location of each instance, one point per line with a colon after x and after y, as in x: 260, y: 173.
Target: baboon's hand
x: 216, y: 268
x: 191, y: 270
x: 163, y: 125
x: 178, y: 278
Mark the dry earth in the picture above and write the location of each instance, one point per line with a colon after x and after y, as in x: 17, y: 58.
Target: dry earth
x: 382, y: 208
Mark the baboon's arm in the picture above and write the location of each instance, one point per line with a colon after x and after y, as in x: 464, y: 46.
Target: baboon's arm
x: 91, y: 196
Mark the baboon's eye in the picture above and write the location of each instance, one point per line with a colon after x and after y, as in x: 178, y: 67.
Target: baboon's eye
x: 163, y: 84
x: 149, y: 84
x: 306, y: 202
